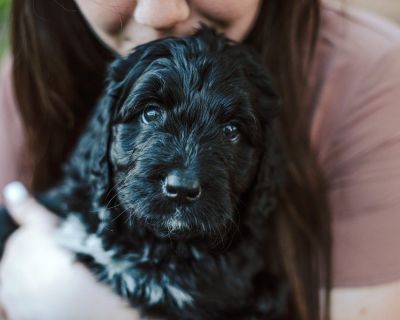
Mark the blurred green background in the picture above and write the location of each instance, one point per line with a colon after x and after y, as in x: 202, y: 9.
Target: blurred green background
x: 4, y: 7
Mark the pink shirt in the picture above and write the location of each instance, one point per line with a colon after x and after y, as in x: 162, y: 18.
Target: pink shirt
x: 355, y: 133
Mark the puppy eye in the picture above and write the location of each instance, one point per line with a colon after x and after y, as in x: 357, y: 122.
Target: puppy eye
x: 151, y: 113
x: 231, y: 132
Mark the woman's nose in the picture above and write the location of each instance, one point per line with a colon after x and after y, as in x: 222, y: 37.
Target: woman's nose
x: 161, y: 14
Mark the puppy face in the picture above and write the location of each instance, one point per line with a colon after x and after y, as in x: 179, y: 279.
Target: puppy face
x: 186, y: 138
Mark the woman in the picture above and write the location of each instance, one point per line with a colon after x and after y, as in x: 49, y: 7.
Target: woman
x: 338, y: 78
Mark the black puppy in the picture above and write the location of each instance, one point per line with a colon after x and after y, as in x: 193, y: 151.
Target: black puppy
x: 167, y: 195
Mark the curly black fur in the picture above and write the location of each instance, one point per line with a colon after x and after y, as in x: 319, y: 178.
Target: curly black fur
x: 201, y: 109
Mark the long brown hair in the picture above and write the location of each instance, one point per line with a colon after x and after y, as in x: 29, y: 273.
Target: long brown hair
x: 58, y: 73
x: 286, y: 34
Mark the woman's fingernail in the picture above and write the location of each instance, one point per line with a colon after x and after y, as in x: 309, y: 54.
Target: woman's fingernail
x: 15, y: 193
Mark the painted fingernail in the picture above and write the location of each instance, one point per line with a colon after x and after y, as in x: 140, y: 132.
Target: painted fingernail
x: 15, y: 193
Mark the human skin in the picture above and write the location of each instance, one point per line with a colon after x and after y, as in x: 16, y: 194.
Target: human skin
x: 124, y: 24
x: 40, y: 280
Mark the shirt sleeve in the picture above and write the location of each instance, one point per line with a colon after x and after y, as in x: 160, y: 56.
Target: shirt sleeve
x: 12, y: 144
x: 364, y: 177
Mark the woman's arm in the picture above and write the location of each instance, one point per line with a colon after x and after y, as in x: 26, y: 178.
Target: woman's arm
x: 367, y: 303
x: 41, y: 281
x: 364, y: 177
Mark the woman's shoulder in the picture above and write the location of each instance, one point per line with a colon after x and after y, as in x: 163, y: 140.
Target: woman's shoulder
x: 355, y: 132
x: 355, y: 31
x: 353, y: 41
x: 357, y: 63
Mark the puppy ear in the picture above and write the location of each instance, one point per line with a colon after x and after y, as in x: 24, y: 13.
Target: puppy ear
x: 264, y: 95
x: 271, y: 173
x: 94, y: 146
x: 270, y: 179
x: 86, y: 176
x: 87, y: 173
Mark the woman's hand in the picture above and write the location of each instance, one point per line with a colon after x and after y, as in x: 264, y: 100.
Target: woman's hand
x: 366, y: 303
x: 40, y: 280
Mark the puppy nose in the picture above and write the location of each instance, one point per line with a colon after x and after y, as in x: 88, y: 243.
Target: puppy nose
x: 183, y: 185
